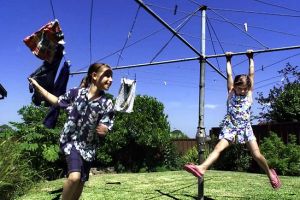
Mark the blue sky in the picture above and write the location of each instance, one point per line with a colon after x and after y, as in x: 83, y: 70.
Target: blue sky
x: 271, y: 24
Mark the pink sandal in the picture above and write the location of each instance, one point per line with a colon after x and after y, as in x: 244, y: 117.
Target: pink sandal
x: 275, y: 182
x: 191, y: 168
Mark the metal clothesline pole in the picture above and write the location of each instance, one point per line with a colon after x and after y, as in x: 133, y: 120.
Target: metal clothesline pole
x: 256, y: 51
x: 200, y: 134
x: 196, y: 58
x: 145, y: 64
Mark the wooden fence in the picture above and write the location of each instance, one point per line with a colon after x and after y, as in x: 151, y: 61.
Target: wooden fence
x: 183, y: 145
x: 283, y: 130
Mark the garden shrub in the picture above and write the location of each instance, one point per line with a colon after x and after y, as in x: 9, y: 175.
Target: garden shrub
x: 139, y: 141
x: 235, y: 158
x: 16, y: 175
x: 284, y: 157
x: 191, y: 156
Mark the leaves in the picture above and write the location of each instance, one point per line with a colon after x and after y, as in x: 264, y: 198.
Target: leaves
x: 283, y: 102
x: 140, y: 139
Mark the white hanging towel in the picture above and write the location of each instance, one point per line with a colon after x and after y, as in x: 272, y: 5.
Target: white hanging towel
x: 126, y: 96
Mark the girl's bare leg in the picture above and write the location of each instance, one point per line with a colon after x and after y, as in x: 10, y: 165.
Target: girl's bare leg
x: 70, y: 185
x: 259, y: 158
x: 213, y: 156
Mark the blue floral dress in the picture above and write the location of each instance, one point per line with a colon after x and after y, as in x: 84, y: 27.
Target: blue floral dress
x: 236, y: 125
x: 83, y: 117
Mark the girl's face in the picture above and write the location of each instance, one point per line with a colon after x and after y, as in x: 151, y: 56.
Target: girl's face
x: 103, y: 79
x: 241, y: 90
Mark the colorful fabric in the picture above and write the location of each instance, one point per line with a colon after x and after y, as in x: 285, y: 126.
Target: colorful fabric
x: 84, y: 117
x: 126, y: 96
x: 44, y: 42
x: 45, y: 76
x: 236, y: 125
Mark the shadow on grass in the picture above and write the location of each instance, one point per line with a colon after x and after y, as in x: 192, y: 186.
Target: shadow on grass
x: 195, y: 197
x: 58, y: 192
x: 169, y: 194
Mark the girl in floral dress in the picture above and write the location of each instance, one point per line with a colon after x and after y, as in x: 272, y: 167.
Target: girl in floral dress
x: 236, y: 125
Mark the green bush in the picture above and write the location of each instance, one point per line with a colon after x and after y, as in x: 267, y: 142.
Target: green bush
x: 235, y: 158
x: 139, y: 141
x: 191, y: 156
x: 39, y: 143
x: 16, y: 175
x: 284, y: 157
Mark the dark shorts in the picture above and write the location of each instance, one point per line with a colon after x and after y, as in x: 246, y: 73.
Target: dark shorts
x: 77, y: 164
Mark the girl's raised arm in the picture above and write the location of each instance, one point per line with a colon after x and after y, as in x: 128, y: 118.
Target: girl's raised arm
x: 251, y: 67
x: 229, y: 71
x: 48, y: 96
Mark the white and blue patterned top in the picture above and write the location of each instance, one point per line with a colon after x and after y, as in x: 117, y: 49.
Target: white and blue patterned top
x: 236, y: 125
x: 83, y: 117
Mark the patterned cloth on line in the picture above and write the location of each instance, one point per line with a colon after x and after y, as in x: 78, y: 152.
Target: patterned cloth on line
x: 43, y: 43
x: 45, y: 76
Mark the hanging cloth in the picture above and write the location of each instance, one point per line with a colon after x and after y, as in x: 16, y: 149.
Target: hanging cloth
x: 126, y: 96
x: 44, y: 42
x: 45, y: 76
x: 60, y: 88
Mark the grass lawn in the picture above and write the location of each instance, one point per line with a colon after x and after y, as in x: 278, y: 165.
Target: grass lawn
x: 173, y: 185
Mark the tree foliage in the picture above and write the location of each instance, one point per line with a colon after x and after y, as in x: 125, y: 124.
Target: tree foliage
x: 38, y: 143
x: 140, y: 140
x: 282, y: 104
x: 284, y: 157
x: 178, y: 134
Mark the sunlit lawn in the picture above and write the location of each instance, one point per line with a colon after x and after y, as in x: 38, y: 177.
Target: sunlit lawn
x: 174, y: 185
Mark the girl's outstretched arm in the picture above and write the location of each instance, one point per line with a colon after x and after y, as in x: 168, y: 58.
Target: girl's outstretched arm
x: 229, y: 71
x: 251, y: 67
x: 48, y: 96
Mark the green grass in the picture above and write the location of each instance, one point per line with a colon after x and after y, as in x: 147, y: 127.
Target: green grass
x: 174, y: 185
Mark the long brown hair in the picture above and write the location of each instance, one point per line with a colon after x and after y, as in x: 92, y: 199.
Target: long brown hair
x: 242, y: 79
x: 95, y: 67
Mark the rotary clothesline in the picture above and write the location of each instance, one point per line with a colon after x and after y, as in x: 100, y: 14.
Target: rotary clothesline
x: 192, y: 59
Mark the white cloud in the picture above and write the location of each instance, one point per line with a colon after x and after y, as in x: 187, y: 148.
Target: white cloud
x: 211, y: 106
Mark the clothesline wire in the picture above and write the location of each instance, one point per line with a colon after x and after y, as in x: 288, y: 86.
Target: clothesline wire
x: 52, y: 8
x: 255, y: 12
x: 271, y: 30
x: 185, y: 12
x: 224, y: 42
x: 139, y: 40
x: 272, y: 83
x: 275, y: 5
x: 234, y: 10
x: 178, y: 28
x: 281, y: 32
x: 297, y: 54
x: 90, y: 29
x: 209, y: 24
x: 258, y: 82
x: 129, y: 35
x: 210, y: 35
x: 238, y: 28
x: 54, y: 17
